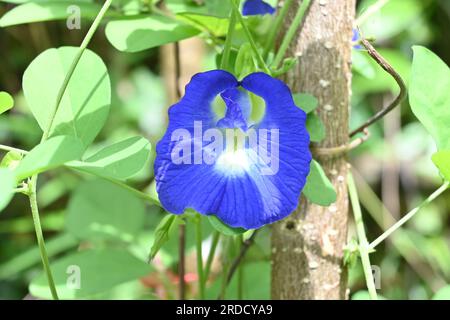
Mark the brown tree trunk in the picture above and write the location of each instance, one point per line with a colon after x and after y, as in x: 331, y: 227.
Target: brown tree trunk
x: 307, y: 247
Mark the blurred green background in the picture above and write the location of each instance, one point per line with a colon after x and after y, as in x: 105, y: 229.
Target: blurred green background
x: 394, y: 172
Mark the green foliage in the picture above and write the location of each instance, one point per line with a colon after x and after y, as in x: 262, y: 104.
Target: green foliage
x: 306, y: 102
x: 48, y: 155
x: 215, y: 26
x: 162, y: 234
x: 442, y: 161
x: 318, y: 188
x: 429, y: 95
x: 85, y: 104
x: 315, y: 127
x: 11, y: 160
x: 99, y: 270
x: 99, y: 209
x: 223, y: 228
x: 144, y: 32
x: 6, y: 101
x: 7, y: 184
x: 38, y: 11
x: 442, y: 294
x: 119, y: 161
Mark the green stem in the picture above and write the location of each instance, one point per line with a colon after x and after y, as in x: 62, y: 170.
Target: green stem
x: 276, y: 28
x: 74, y: 64
x: 212, y: 252
x: 240, y: 271
x: 9, y: 149
x: 408, y: 216
x: 291, y: 32
x: 199, y: 239
x: 250, y: 39
x: 33, y: 180
x: 362, y: 239
x: 40, y: 236
x: 225, y: 62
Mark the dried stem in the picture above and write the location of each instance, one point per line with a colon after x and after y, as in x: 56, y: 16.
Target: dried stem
x: 389, y: 69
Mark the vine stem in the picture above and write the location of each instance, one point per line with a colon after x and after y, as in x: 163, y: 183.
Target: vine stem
x: 250, y: 39
x: 291, y: 32
x: 11, y: 149
x: 212, y: 252
x: 200, y: 273
x: 408, y: 216
x: 224, y: 63
x: 33, y: 180
x: 74, y: 64
x: 362, y: 239
x: 40, y: 236
x: 274, y: 31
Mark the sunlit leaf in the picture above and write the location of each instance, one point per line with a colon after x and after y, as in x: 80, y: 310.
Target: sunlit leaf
x: 145, y: 32
x: 7, y: 183
x: 48, y: 155
x: 442, y: 160
x: 6, y: 101
x: 120, y: 161
x: 85, y: 105
x: 429, y: 94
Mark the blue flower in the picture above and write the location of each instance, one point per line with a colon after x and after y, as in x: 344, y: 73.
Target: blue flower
x: 256, y: 7
x: 247, y: 174
x: 355, y: 39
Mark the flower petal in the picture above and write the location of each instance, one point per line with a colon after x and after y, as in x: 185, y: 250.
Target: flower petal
x: 248, y: 187
x: 257, y: 7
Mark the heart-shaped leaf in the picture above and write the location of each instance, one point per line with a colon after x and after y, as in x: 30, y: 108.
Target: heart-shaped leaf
x: 119, y: 161
x: 6, y: 101
x: 85, y: 104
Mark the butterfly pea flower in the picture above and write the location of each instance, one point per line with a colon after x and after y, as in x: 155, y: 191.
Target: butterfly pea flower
x: 246, y: 173
x: 355, y: 39
x: 257, y: 7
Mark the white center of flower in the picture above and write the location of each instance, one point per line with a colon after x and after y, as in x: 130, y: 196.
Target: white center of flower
x: 234, y: 162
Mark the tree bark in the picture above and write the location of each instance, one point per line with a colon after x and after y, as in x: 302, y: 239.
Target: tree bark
x: 307, y: 247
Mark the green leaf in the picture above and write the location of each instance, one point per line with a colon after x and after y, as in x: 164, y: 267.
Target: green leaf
x: 245, y: 63
x: 442, y: 294
x: 306, y: 102
x: 442, y: 161
x: 315, y: 127
x: 47, y: 11
x: 85, y: 105
x: 215, y: 26
x: 48, y: 155
x: 119, y: 161
x: 7, y: 184
x: 98, y: 271
x: 11, y: 160
x: 101, y: 209
x: 145, y: 32
x: 429, y: 94
x: 6, y: 102
x: 223, y: 228
x: 318, y: 188
x: 162, y: 234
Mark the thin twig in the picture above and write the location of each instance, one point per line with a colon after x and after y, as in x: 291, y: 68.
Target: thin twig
x: 336, y: 151
x: 182, y: 228
x: 389, y: 69
x: 244, y: 248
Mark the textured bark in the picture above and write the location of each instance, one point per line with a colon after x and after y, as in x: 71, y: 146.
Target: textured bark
x: 307, y: 247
